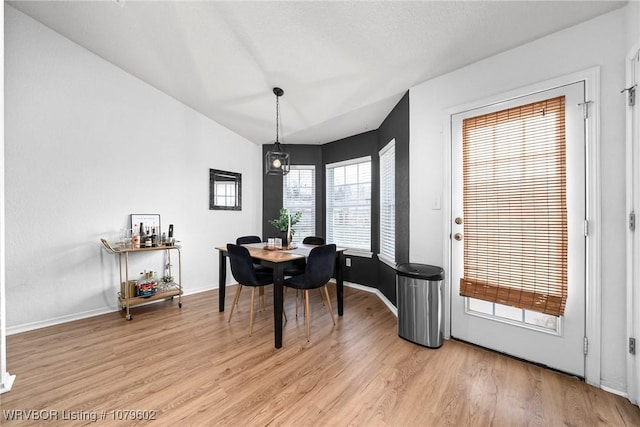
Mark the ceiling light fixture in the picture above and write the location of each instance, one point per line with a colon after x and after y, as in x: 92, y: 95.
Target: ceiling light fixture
x: 276, y: 160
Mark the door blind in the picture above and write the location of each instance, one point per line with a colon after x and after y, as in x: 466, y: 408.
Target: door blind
x: 515, y: 210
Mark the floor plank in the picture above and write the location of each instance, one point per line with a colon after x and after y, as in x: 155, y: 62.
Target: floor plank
x: 190, y: 366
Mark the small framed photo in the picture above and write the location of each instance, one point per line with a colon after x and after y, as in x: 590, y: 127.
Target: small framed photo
x: 148, y: 221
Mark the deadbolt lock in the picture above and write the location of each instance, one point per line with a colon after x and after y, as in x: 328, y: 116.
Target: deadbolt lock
x: 457, y: 236
x: 458, y: 220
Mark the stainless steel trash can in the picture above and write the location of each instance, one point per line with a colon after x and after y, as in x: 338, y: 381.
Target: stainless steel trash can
x: 420, y: 297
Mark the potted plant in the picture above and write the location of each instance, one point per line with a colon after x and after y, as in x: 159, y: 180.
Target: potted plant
x: 284, y: 223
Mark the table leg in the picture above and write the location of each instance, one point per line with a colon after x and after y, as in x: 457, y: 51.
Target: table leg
x: 340, y: 284
x: 278, y: 286
x: 222, y: 279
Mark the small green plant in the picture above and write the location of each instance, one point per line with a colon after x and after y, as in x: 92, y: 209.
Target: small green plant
x: 282, y: 223
x: 166, y: 279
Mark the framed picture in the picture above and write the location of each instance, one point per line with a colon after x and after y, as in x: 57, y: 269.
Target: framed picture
x: 148, y: 221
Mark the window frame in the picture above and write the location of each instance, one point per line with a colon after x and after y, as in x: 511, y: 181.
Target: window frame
x: 294, y: 209
x: 329, y: 174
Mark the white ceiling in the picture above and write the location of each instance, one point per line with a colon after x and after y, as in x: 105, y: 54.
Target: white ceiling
x: 343, y: 65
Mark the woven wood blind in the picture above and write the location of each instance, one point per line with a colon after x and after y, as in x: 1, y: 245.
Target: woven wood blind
x: 515, y: 214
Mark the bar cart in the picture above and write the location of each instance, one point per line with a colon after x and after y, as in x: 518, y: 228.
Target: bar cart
x: 166, y: 291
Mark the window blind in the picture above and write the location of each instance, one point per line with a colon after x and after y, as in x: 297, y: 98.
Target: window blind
x: 299, y: 194
x: 388, y: 202
x: 515, y: 211
x: 349, y: 203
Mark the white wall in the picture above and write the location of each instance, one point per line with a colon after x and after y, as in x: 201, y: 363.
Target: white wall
x: 599, y: 42
x: 87, y: 144
x: 633, y: 23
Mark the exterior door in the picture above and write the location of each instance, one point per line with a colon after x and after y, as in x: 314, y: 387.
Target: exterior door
x: 555, y: 341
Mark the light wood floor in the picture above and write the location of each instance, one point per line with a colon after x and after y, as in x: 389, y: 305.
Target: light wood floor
x: 190, y: 367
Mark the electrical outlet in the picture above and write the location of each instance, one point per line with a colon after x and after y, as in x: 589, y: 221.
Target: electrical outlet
x: 347, y: 262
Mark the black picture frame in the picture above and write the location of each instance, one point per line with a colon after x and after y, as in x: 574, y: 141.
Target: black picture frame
x: 225, y: 190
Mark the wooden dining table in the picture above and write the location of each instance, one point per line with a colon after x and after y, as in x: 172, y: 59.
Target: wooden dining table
x: 278, y: 260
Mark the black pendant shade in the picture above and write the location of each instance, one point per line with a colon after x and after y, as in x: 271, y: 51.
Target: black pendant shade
x: 276, y: 160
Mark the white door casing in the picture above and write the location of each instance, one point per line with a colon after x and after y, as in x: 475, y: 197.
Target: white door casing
x: 563, y: 349
x: 633, y: 207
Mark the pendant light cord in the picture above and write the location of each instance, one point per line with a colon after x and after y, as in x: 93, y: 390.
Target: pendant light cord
x: 277, y: 119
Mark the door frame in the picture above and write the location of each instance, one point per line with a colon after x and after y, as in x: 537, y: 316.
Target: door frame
x: 593, y: 308
x: 633, y: 238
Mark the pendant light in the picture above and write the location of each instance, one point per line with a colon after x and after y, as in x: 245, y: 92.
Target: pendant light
x: 276, y: 160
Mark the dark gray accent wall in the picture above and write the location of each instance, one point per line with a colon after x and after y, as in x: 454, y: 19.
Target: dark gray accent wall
x: 396, y: 126
x: 272, y: 186
x: 365, y: 271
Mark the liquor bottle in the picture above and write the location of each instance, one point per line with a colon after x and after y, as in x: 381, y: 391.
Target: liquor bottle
x: 142, y: 234
x: 154, y: 237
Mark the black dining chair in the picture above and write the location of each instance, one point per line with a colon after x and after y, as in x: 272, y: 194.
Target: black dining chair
x: 318, y: 271
x: 244, y: 273
x: 246, y: 240
x: 299, y: 265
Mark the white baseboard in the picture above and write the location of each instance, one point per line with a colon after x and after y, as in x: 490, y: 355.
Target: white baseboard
x: 614, y: 391
x: 58, y: 320
x: 104, y: 310
x: 11, y: 330
x: 380, y: 295
x: 7, y: 382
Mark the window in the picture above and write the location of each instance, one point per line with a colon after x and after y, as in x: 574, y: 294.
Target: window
x: 349, y: 203
x: 388, y: 203
x: 299, y: 194
x: 515, y: 208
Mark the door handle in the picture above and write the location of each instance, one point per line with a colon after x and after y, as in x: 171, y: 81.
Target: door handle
x: 457, y: 236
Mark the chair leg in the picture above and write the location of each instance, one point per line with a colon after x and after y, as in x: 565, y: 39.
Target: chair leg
x: 261, y: 293
x: 253, y: 295
x: 296, y: 302
x: 326, y: 292
x: 307, y: 314
x: 321, y: 296
x: 235, y: 301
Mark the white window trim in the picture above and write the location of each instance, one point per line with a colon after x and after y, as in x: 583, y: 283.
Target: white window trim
x: 386, y: 260
x: 348, y: 162
x: 349, y: 251
x: 359, y: 253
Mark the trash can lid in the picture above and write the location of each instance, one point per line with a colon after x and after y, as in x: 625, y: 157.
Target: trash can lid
x: 420, y: 271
